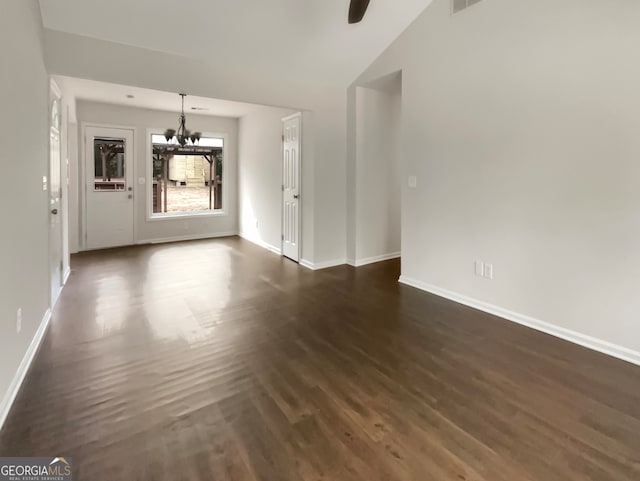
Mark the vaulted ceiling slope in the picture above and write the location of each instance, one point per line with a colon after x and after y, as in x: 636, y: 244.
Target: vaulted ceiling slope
x: 307, y: 41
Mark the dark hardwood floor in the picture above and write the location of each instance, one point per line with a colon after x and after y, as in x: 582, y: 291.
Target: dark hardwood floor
x: 216, y: 360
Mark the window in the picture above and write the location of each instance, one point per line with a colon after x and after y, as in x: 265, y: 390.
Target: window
x: 186, y: 180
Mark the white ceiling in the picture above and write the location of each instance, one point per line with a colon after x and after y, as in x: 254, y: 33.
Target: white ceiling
x: 152, y: 99
x: 309, y: 40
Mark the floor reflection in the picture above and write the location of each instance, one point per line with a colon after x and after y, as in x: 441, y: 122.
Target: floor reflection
x: 112, y: 303
x: 183, y: 303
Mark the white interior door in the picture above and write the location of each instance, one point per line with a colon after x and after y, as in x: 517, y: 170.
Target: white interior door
x: 291, y: 187
x: 109, y: 187
x: 55, y: 189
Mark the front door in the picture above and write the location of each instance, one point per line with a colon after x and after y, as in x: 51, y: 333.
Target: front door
x: 291, y: 187
x: 55, y: 190
x: 109, y: 187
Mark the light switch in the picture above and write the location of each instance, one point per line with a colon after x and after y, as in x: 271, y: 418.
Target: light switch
x: 45, y: 183
x: 488, y: 271
x: 413, y: 182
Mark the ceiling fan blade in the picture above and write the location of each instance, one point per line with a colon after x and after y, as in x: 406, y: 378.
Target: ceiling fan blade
x: 357, y: 9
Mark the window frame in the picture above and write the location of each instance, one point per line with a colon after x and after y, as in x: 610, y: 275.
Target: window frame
x: 153, y: 217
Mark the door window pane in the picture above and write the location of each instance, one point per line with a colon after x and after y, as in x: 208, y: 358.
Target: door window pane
x: 109, y: 164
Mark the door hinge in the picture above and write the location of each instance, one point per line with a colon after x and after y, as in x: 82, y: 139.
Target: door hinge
x: 282, y: 236
x: 282, y: 187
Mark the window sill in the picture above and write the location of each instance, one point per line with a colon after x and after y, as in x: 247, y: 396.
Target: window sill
x: 185, y: 215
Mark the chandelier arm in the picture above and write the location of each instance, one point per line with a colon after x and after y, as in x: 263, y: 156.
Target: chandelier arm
x: 183, y: 135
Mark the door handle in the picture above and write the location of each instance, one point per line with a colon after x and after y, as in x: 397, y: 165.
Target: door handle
x: 54, y: 211
x: 130, y: 196
x: 296, y: 196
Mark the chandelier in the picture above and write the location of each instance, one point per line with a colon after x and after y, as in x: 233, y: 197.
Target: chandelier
x: 182, y: 136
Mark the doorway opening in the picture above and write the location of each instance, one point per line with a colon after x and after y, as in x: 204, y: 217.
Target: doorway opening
x: 291, y: 178
x: 375, y: 172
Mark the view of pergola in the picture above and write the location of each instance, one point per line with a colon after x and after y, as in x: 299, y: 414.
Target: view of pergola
x: 187, y: 178
x: 109, y: 164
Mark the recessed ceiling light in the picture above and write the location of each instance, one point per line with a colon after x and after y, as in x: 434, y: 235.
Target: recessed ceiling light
x: 129, y: 96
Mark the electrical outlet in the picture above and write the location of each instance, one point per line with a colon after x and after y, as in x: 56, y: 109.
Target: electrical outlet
x: 19, y: 320
x: 413, y: 182
x: 488, y: 271
x: 479, y: 268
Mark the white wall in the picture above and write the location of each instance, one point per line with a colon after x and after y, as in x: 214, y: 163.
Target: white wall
x: 308, y: 186
x: 377, y: 210
x: 24, y: 93
x: 326, y: 165
x: 142, y: 120
x: 260, y: 176
x: 520, y: 120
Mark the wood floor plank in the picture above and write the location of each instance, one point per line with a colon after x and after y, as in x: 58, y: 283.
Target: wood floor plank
x: 216, y: 360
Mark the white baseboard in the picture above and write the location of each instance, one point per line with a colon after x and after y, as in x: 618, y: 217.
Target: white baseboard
x: 264, y: 245
x: 567, y: 334
x: 165, y: 240
x: 373, y: 260
x: 65, y: 276
x: 54, y: 301
x: 306, y: 263
x: 322, y: 265
x: 16, y: 382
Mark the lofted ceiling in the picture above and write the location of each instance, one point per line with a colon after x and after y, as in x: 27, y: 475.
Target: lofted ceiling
x: 308, y: 41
